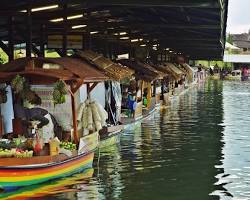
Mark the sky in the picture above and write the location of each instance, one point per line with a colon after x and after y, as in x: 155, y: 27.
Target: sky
x: 238, y: 16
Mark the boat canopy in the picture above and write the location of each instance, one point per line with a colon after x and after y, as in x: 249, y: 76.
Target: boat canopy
x: 48, y: 70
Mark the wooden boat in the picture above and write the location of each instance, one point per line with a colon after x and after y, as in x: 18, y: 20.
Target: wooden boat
x: 214, y: 77
x: 19, y: 172
x: 111, y: 137
x: 48, y: 188
x: 236, y: 75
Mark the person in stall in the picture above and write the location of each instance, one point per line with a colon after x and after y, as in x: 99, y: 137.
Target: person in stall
x: 45, y: 121
x: 132, y: 98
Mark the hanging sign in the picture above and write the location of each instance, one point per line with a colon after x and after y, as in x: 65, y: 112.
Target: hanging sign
x: 73, y: 42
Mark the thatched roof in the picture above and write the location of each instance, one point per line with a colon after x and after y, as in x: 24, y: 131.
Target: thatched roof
x: 173, y: 70
x: 112, y: 70
x: 142, y: 71
x: 189, y: 71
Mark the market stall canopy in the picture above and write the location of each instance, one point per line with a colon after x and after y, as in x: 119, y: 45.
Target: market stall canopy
x: 152, y: 67
x: 173, y: 70
x: 112, y: 70
x: 188, y: 69
x: 196, y: 28
x: 142, y: 71
x: 37, y: 69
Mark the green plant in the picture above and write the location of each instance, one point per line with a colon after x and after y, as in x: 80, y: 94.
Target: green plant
x: 22, y: 87
x: 59, y: 92
x: 17, y: 84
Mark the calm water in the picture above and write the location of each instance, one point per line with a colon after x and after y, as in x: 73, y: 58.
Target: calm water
x: 197, y: 149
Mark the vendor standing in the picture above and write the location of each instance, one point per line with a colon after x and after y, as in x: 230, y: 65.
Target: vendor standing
x: 42, y: 116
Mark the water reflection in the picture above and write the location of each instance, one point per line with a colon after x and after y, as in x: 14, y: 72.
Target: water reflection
x: 65, y: 185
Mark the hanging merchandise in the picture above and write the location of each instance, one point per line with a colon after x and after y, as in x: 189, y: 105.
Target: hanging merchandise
x: 103, y: 113
x: 117, y: 94
x: 85, y: 117
x: 59, y: 93
x: 17, y: 84
x: 7, y: 111
x: 80, y: 116
x: 22, y: 87
x: 92, y: 116
x: 96, y: 116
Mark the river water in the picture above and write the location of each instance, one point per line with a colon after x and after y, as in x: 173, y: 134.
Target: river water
x: 197, y: 149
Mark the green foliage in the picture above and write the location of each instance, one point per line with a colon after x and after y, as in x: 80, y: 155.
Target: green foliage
x: 220, y: 64
x: 229, y: 38
x: 3, y: 57
x: 17, y: 84
x: 59, y: 92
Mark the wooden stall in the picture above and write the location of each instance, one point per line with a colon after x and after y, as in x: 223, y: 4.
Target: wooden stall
x: 46, y: 71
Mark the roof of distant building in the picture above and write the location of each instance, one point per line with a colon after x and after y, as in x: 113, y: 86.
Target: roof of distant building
x: 241, y: 40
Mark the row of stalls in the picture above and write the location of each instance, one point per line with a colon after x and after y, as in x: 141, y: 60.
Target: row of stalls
x: 58, y: 110
x: 127, y: 89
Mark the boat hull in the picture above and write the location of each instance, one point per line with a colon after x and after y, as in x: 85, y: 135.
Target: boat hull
x: 53, y: 187
x: 113, y: 136
x: 113, y: 139
x: 24, y: 175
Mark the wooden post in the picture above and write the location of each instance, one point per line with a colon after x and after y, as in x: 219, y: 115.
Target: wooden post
x: 154, y: 88
x: 83, y: 41
x: 88, y: 89
x: 74, y: 116
x: 142, y: 90
x: 1, y: 126
x: 29, y: 33
x: 41, y: 54
x: 64, y: 45
x: 10, y: 39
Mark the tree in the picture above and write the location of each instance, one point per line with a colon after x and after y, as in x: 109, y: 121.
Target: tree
x: 2, y: 59
x: 229, y: 38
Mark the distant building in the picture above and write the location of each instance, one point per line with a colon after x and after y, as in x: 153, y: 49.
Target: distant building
x: 238, y: 53
x: 242, y: 41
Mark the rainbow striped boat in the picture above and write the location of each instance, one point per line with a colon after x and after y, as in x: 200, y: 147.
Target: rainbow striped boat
x: 62, y: 185
x: 19, y: 172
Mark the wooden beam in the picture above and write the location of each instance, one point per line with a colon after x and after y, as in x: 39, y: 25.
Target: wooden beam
x: 4, y: 47
x: 35, y: 50
x: 65, y: 28
x: 42, y: 39
x: 159, y: 3
x: 76, y: 85
x: 60, y: 53
x: 74, y: 116
x: 10, y: 39
x: 29, y: 33
x: 26, y: 38
x: 91, y: 87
